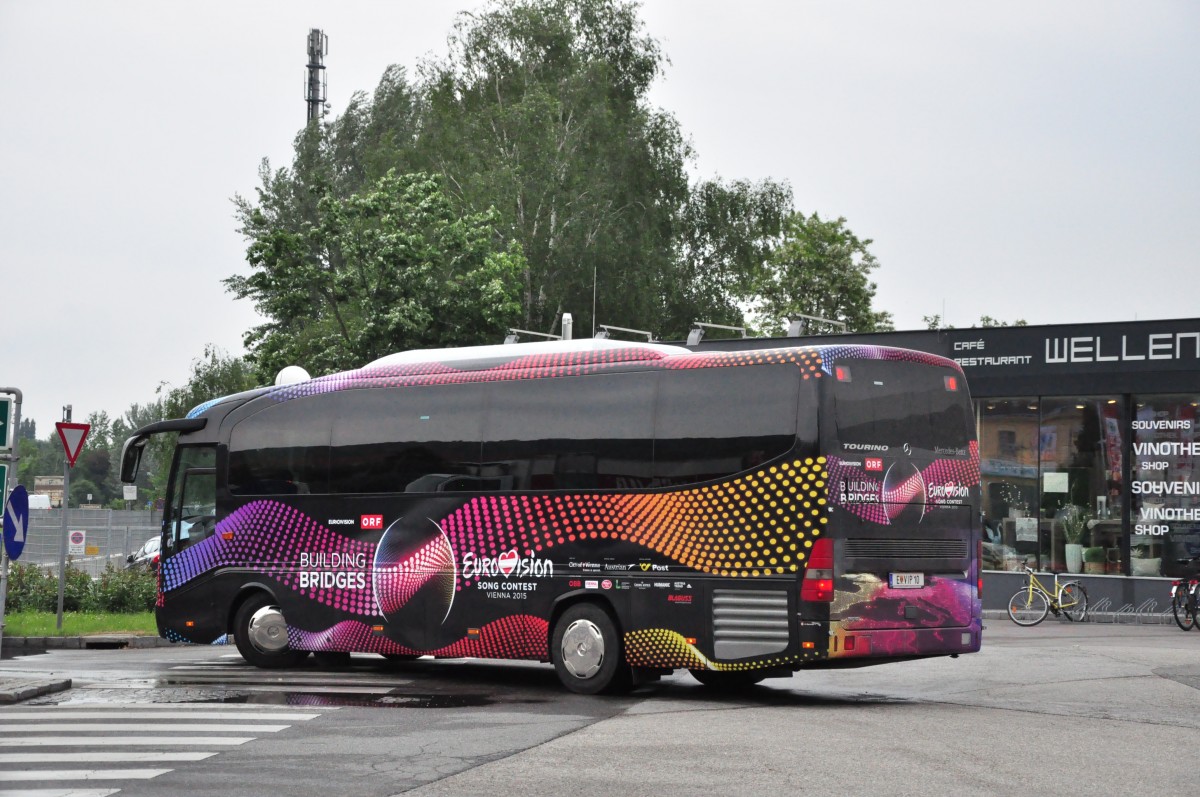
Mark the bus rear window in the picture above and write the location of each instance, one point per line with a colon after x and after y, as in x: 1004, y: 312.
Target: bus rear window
x: 891, y: 403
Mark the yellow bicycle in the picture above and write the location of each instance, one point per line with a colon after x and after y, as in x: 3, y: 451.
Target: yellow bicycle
x: 1031, y: 603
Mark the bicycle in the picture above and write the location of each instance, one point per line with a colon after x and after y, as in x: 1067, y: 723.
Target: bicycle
x: 1031, y: 603
x: 1185, y: 595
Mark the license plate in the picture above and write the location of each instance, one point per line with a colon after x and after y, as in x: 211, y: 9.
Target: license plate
x: 906, y: 580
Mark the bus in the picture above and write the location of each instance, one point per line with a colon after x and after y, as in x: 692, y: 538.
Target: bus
x: 621, y: 510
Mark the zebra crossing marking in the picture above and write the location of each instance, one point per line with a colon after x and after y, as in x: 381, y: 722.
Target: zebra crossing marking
x: 43, y: 745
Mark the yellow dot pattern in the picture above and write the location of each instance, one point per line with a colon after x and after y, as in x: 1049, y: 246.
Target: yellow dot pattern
x: 761, y: 524
x: 758, y: 524
x: 660, y: 647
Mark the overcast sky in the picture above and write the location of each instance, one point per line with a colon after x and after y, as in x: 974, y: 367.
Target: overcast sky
x: 1019, y: 160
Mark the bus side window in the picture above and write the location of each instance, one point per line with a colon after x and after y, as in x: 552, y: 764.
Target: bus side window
x: 572, y: 432
x: 705, y: 429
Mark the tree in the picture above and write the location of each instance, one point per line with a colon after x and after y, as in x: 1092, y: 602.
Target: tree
x: 819, y: 269
x: 727, y: 235
x: 985, y: 321
x: 538, y: 116
x: 539, y: 110
x: 393, y: 267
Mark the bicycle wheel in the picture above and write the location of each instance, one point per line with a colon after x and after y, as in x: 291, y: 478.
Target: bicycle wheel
x: 1073, y: 601
x: 1028, y: 608
x: 1179, y: 607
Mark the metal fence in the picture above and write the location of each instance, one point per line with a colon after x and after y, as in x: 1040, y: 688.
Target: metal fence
x: 109, y: 536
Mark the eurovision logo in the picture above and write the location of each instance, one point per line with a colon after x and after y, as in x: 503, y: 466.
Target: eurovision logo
x: 509, y: 563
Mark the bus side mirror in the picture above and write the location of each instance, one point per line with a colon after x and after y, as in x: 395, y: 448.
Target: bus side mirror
x: 131, y: 458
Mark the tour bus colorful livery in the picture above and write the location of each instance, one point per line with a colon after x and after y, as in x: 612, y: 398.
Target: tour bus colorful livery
x: 619, y: 509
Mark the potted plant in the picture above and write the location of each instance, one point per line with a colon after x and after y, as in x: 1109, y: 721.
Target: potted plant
x: 1094, y: 559
x: 1074, y: 524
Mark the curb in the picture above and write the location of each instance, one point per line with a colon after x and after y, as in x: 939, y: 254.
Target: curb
x: 99, y: 642
x: 16, y: 691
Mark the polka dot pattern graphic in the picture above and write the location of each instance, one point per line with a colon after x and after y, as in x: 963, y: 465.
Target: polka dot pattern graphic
x: 895, y: 497
x: 269, y: 537
x: 809, y: 359
x: 756, y: 525
x: 519, y: 636
x: 396, y: 578
x: 660, y: 647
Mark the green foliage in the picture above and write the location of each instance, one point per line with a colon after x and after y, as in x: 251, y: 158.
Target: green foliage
x: 34, y: 589
x: 390, y: 268
x: 819, y: 269
x: 214, y: 375
x: 1074, y: 520
x: 1095, y: 554
x: 935, y: 322
x: 537, y: 123
x: 30, y: 589
x: 123, y: 590
x: 42, y: 624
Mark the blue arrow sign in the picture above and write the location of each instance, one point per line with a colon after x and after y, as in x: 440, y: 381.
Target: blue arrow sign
x: 16, y: 522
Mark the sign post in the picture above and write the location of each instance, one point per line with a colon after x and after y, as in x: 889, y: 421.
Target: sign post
x: 10, y: 422
x: 7, y: 433
x: 72, y: 436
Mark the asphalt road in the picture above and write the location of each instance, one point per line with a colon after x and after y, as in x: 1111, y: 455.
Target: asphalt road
x: 1078, y: 709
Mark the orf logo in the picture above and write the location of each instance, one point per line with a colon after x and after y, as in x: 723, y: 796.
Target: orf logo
x: 873, y: 463
x: 371, y: 522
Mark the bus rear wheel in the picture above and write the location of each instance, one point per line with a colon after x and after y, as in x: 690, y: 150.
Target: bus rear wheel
x: 587, y: 652
x: 719, y: 679
x: 261, y: 634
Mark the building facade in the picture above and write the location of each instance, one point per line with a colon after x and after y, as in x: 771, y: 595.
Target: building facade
x: 1089, y: 444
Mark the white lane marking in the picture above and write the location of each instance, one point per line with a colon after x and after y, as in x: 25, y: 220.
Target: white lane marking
x: 116, y: 741
x: 109, y: 706
x: 138, y: 714
x: 68, y: 792
x: 191, y: 727
x: 95, y: 757
x: 82, y: 774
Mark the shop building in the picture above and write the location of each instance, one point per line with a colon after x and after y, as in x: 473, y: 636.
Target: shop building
x: 1096, y: 422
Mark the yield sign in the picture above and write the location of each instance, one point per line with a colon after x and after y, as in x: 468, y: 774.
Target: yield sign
x: 73, y: 435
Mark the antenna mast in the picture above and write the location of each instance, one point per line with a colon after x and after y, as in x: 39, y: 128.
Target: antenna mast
x: 314, y: 84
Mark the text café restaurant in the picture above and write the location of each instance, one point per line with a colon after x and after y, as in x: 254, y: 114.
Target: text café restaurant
x: 1098, y: 420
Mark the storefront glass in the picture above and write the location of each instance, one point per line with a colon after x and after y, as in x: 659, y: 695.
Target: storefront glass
x: 1051, y: 479
x: 1165, y: 491
x: 1080, y: 445
x: 1008, y: 462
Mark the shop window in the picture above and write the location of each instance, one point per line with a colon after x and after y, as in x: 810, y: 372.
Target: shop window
x: 1080, y: 444
x: 1008, y: 439
x: 1165, y: 507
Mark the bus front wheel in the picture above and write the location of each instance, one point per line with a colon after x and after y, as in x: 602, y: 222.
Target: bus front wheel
x: 587, y: 652
x: 261, y: 634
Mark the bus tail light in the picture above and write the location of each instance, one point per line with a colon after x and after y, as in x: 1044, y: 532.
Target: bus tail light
x: 951, y: 383
x: 979, y: 568
x: 818, y: 578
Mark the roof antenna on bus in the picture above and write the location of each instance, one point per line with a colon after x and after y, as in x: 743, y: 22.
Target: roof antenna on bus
x: 796, y: 325
x: 698, y: 327
x: 514, y: 335
x: 291, y: 375
x: 605, y: 329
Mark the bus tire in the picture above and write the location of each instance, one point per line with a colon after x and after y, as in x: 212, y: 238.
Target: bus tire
x: 588, y: 653
x: 261, y: 634
x: 731, y: 681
